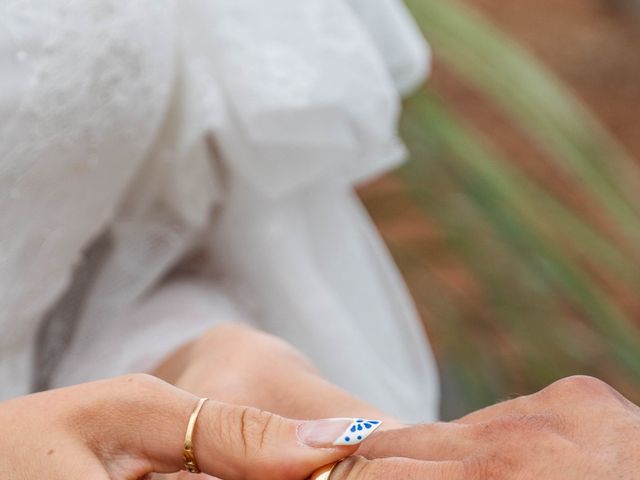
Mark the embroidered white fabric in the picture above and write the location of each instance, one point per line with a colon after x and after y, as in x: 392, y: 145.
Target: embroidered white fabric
x: 234, y: 126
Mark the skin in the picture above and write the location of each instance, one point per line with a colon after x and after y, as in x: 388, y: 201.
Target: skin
x: 242, y: 366
x: 128, y: 427
x: 578, y: 428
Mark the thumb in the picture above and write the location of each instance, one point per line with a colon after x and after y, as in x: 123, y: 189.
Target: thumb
x: 234, y: 442
x: 229, y: 442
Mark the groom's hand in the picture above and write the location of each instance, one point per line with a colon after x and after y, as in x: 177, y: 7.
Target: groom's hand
x: 576, y: 429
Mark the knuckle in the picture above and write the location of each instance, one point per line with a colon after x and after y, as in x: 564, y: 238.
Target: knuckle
x: 227, y: 338
x: 141, y: 385
x: 143, y: 380
x: 111, y: 396
x: 582, y: 387
x: 579, y: 383
x: 254, y: 427
x: 224, y: 338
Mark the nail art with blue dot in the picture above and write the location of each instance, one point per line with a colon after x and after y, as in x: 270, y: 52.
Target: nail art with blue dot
x: 358, y: 431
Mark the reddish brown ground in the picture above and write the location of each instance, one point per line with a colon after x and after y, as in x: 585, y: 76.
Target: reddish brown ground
x: 590, y: 44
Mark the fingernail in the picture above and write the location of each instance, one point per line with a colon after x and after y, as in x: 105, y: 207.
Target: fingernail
x: 334, y: 432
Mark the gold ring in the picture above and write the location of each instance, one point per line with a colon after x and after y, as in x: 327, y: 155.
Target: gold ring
x: 324, y: 473
x: 190, y: 463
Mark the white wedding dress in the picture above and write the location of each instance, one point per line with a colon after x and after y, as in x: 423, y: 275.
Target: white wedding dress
x: 168, y: 165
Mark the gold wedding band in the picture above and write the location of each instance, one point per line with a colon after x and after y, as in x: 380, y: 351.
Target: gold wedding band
x: 190, y: 463
x: 324, y: 473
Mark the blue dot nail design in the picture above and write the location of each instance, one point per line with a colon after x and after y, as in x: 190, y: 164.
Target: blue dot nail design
x: 364, y: 429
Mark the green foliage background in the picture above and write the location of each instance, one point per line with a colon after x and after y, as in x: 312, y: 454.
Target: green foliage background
x: 558, y: 278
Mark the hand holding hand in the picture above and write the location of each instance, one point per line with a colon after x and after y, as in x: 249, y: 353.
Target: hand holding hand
x: 576, y: 429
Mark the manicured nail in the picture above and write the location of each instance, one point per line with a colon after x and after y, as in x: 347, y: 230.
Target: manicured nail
x: 333, y: 432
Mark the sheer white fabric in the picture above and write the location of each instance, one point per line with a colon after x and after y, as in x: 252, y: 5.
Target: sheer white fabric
x: 236, y: 127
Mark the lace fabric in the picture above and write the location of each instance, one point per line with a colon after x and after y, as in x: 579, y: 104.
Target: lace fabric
x: 74, y: 131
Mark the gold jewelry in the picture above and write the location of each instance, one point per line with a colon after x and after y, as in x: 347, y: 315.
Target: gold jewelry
x: 324, y: 473
x: 190, y: 463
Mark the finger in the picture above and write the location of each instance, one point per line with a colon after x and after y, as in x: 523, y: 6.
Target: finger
x: 183, y: 476
x: 248, y: 443
x: 193, y: 476
x: 359, y: 468
x: 434, y: 441
x: 148, y: 418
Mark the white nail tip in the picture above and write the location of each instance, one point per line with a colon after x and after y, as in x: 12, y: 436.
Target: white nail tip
x: 357, y: 432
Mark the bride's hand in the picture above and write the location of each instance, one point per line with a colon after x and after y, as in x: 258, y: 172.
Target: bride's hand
x: 131, y: 426
x: 243, y: 366
x: 576, y: 429
x: 571, y: 430
x: 239, y: 365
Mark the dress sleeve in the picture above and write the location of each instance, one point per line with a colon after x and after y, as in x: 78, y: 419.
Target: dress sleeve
x: 297, y: 104
x: 138, y: 338
x: 395, y: 33
x: 84, y: 86
x: 130, y: 317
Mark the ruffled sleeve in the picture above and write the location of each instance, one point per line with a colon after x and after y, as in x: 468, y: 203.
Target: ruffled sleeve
x: 311, y: 87
x: 398, y: 39
x: 275, y: 110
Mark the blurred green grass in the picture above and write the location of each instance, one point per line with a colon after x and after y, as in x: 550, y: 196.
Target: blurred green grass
x: 548, y: 286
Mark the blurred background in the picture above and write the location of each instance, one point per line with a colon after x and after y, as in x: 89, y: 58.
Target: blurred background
x: 517, y: 221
